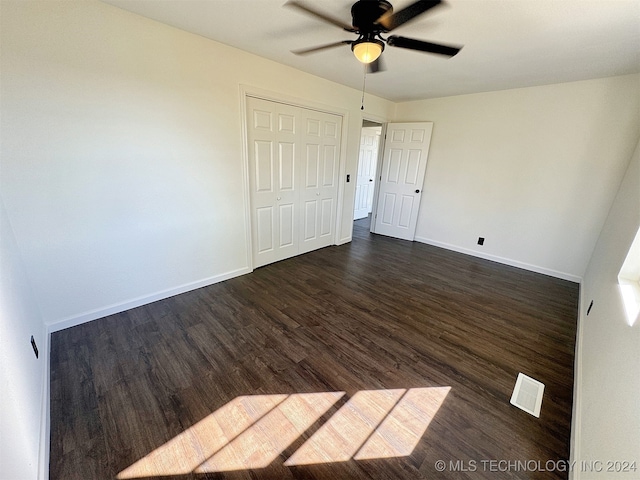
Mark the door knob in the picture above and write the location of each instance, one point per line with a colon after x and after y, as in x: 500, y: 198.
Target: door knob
x: 317, y: 194
x: 417, y: 191
x: 278, y: 198
x: 371, y: 179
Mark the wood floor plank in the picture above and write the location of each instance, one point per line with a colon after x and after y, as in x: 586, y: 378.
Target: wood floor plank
x: 366, y: 320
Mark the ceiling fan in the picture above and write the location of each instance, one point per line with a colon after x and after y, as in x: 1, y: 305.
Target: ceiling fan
x: 370, y: 20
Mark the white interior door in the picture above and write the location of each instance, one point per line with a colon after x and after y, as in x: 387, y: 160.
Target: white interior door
x: 320, y: 151
x: 272, y: 180
x: 365, y: 183
x: 404, y: 164
x: 293, y: 179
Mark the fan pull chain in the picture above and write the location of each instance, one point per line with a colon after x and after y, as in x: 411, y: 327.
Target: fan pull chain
x: 364, y: 83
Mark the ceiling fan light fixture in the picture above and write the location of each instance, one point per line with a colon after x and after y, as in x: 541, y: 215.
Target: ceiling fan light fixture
x: 367, y: 51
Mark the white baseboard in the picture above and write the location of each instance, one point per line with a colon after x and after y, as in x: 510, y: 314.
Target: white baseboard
x: 576, y: 413
x: 342, y: 241
x: 56, y: 325
x: 505, y: 261
x: 574, y: 455
x: 45, y: 419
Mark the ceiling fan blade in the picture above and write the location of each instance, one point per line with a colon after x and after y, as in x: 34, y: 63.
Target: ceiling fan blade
x: 389, y: 21
x: 376, y: 66
x: 422, y: 46
x: 318, y: 14
x: 319, y: 48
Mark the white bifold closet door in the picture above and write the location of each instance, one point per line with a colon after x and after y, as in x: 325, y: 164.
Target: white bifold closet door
x: 294, y: 157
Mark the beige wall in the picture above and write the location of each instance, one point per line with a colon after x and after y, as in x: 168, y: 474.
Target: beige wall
x: 533, y: 170
x: 122, y: 153
x: 607, y: 405
x: 22, y: 376
x: 122, y: 175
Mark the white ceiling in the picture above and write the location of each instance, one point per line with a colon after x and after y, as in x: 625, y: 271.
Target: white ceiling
x: 507, y: 43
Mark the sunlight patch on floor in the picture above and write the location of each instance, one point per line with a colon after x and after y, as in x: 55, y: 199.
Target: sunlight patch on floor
x: 340, y: 438
x: 259, y: 445
x: 402, y: 429
x: 373, y: 424
x: 251, y: 431
x: 238, y: 429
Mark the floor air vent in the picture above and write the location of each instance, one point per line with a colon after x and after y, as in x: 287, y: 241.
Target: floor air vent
x: 527, y: 394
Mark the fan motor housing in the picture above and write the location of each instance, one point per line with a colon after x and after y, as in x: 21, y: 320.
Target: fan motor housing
x: 366, y: 12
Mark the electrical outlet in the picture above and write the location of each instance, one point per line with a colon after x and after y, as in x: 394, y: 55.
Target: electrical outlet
x: 34, y: 346
x: 480, y: 240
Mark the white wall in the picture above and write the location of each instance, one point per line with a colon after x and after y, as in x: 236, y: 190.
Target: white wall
x: 607, y: 408
x: 122, y: 166
x: 122, y: 176
x: 533, y: 170
x: 21, y: 374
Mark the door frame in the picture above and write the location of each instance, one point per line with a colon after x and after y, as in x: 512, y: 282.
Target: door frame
x: 250, y: 91
x: 376, y: 188
x: 375, y: 170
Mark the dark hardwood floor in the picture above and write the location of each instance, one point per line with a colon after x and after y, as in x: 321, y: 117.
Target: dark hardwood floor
x: 371, y: 360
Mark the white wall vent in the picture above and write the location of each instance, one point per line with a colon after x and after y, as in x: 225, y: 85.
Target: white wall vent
x: 527, y: 394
